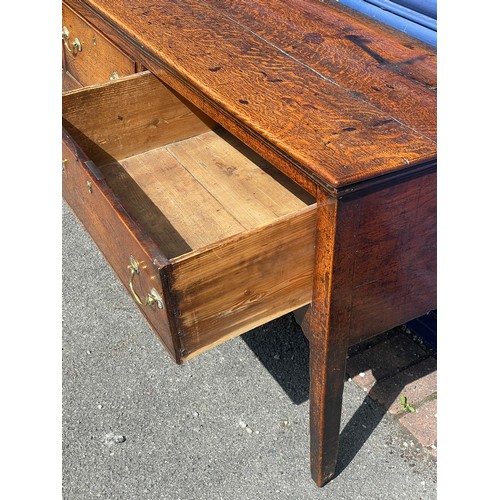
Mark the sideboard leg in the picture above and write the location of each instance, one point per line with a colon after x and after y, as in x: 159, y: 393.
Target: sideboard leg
x: 328, y: 324
x: 327, y: 384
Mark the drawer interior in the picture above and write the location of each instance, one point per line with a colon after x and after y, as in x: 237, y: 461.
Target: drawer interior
x: 237, y: 234
x: 187, y: 181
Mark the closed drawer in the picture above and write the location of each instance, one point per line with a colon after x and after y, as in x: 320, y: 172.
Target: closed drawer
x: 209, y: 239
x: 88, y: 57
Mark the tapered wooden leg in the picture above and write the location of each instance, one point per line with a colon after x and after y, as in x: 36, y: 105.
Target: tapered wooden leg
x: 328, y: 325
x: 327, y: 369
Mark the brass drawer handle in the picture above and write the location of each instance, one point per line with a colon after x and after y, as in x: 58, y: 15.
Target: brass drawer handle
x: 152, y: 298
x: 76, y: 45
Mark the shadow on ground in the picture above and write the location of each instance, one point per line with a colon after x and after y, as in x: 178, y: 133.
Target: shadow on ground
x: 284, y: 351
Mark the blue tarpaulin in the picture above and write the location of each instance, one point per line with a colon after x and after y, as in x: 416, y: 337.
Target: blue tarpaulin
x: 417, y: 18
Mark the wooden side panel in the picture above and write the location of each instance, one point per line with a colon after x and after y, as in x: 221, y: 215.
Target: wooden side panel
x: 129, y: 116
x: 244, y: 282
x: 395, y: 257
x: 99, y: 60
x: 116, y: 235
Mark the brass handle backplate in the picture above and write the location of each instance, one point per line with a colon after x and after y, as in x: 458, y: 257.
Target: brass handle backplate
x: 152, y: 298
x: 75, y: 46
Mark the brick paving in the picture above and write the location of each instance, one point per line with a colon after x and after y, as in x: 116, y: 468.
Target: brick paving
x: 399, y: 364
x: 422, y: 424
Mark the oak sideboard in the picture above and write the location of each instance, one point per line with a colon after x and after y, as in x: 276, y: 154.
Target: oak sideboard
x: 236, y: 160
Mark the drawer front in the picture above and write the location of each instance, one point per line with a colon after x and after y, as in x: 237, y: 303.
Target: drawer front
x: 118, y: 237
x: 87, y: 55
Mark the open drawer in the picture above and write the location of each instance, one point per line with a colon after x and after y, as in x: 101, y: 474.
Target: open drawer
x: 209, y: 239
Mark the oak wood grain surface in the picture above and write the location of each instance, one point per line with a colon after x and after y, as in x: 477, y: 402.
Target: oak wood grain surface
x: 395, y: 257
x: 395, y: 78
x: 298, y: 102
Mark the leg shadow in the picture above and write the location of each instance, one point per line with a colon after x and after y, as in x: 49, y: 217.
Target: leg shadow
x: 283, y: 349
x: 382, y: 396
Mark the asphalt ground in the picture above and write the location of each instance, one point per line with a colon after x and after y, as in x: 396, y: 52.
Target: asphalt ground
x: 230, y: 424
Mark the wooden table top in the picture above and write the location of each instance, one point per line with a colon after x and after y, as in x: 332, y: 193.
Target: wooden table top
x: 339, y: 97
